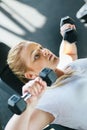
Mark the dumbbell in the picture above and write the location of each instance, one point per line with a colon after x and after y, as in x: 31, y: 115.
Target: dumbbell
x: 17, y: 104
x: 70, y: 35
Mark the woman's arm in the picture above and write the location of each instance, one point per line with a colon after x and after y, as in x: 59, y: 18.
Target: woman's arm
x: 31, y: 118
x: 40, y: 119
x: 67, y: 51
x: 66, y: 48
x: 20, y: 122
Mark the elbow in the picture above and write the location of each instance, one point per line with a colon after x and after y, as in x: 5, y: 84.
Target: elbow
x: 74, y: 57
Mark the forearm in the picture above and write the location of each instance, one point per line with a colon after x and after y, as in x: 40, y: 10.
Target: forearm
x: 20, y: 122
x: 68, y: 49
x: 68, y: 45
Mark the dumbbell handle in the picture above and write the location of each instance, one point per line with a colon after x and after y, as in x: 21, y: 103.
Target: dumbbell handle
x: 26, y: 95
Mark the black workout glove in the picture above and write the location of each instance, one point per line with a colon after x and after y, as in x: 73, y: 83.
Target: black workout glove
x: 70, y: 35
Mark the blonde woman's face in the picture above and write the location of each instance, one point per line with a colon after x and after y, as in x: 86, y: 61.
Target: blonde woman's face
x: 38, y: 57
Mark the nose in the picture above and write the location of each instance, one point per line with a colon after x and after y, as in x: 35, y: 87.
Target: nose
x: 45, y: 52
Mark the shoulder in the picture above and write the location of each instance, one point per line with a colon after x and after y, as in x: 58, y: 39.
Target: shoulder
x: 64, y: 61
x: 79, y: 64
x: 49, y: 103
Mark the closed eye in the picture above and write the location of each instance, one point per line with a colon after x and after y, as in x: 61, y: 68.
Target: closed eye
x: 37, y: 56
x: 41, y: 47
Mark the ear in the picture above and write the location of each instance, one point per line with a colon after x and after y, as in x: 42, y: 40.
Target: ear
x: 30, y: 75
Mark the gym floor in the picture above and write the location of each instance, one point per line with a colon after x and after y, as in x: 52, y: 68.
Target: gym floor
x: 37, y: 21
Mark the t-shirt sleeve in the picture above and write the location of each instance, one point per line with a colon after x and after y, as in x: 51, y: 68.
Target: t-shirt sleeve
x: 49, y: 103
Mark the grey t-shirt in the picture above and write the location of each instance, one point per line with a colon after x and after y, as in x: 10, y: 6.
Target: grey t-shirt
x: 68, y: 102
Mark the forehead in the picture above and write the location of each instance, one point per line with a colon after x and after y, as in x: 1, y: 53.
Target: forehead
x: 31, y: 47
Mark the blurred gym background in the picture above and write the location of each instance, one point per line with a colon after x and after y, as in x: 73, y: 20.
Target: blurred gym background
x: 38, y: 21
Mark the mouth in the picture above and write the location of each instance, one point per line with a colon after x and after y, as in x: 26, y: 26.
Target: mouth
x: 51, y: 57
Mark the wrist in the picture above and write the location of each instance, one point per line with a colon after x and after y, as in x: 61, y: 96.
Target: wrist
x: 70, y: 36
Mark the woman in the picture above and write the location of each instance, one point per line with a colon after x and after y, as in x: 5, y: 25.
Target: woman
x: 65, y: 103
x: 23, y: 67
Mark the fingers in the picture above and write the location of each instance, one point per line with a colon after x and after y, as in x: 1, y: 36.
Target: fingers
x: 65, y: 27
x: 35, y: 87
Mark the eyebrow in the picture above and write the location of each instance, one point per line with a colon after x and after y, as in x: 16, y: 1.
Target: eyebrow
x: 32, y: 52
x: 35, y: 49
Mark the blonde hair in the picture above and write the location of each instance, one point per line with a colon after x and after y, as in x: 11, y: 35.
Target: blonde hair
x: 16, y: 62
x: 60, y: 80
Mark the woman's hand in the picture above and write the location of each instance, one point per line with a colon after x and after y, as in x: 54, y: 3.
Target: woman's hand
x: 36, y: 88
x: 65, y: 27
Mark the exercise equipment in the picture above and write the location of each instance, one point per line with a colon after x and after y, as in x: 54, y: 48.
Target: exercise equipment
x: 70, y: 35
x: 5, y: 72
x: 57, y: 127
x: 0, y: 126
x: 17, y: 104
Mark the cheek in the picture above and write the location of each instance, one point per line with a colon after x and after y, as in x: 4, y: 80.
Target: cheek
x: 41, y: 64
x: 39, y: 67
x: 46, y: 63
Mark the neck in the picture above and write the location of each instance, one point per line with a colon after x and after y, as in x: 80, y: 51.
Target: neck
x: 59, y: 72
